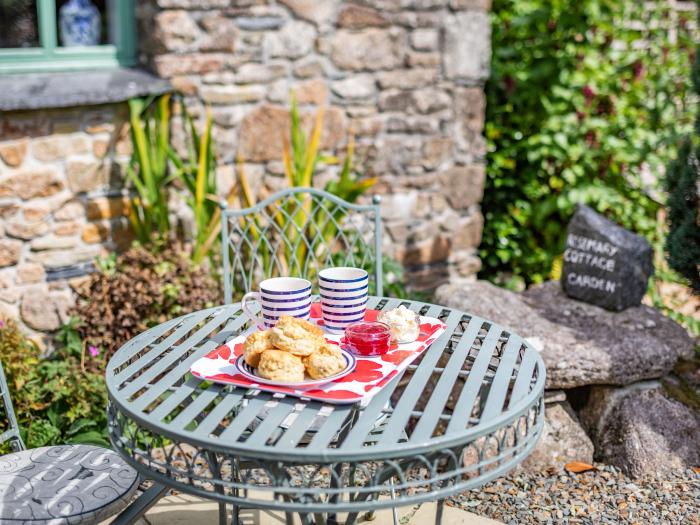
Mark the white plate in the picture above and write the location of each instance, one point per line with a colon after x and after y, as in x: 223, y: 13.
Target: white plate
x: 252, y: 373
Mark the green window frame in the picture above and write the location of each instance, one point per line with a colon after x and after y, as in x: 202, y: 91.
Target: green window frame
x: 49, y: 56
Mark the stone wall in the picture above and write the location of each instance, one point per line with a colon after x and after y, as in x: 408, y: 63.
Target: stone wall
x: 61, y: 204
x: 405, y: 76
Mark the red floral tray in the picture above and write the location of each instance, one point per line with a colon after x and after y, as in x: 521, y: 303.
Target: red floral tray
x: 368, y: 378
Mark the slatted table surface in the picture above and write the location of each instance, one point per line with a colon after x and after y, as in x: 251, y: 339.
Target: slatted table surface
x: 469, y: 409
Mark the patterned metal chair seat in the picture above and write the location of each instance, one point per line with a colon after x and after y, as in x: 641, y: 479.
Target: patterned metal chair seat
x: 67, y: 484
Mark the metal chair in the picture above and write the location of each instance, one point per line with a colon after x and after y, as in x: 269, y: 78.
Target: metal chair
x: 297, y: 232
x: 65, y: 484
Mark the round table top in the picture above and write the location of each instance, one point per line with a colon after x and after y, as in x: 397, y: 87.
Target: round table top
x: 475, y: 395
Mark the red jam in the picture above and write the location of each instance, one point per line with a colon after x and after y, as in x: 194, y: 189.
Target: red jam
x: 367, y: 338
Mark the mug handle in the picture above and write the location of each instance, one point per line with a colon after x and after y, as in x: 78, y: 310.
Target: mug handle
x: 256, y: 319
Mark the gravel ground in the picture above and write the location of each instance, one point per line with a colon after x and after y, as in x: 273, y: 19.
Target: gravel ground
x: 605, y: 496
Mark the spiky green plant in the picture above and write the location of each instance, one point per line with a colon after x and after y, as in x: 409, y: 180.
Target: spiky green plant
x: 148, y: 169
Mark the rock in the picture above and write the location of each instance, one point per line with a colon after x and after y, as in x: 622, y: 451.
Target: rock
x: 430, y: 100
x: 272, y: 123
x: 372, y: 49
x: 8, y: 209
x: 581, y: 344
x: 425, y: 39
x: 30, y: 273
x: 106, y: 208
x: 407, y: 78
x: 413, y: 124
x: 313, y: 91
x: 424, y: 252
x: 308, y: 67
x: 26, y: 230
x: 359, y: 17
x: 436, y: 151
x: 175, y: 30
x: 468, y: 231
x: 10, y: 251
x: 279, y: 92
x: 605, y: 264
x: 86, y: 175
x: 294, y: 40
x: 483, y: 5
x: 36, y: 211
x: 37, y: 309
x: 422, y: 59
x: 196, y: 63
x: 641, y: 429
x: 358, y: 86
x: 469, y: 106
x: 52, y: 242
x: 319, y: 12
x: 67, y: 228
x: 463, y: 185
x: 94, y: 232
x: 260, y: 73
x: 52, y: 259
x: 72, y: 209
x: 64, y: 301
x: 220, y: 31
x: 31, y: 183
x: 467, y: 53
x: 57, y: 147
x: 562, y: 440
x: 13, y: 153
x: 396, y: 100
x: 217, y: 94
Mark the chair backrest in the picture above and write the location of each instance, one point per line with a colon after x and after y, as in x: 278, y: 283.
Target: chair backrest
x: 12, y: 432
x: 297, y: 232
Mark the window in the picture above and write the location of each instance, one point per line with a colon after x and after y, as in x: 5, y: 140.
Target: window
x: 60, y: 35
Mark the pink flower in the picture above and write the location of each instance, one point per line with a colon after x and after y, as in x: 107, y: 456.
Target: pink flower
x: 2, y: 323
x: 94, y: 352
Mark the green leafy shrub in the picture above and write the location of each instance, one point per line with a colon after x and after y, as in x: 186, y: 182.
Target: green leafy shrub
x: 581, y: 104
x: 56, y: 399
x: 138, y: 290
x: 683, y: 183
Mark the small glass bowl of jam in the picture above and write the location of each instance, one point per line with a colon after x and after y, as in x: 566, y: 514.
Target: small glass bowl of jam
x: 368, y: 338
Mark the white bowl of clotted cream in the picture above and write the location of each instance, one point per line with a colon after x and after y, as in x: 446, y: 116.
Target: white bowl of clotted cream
x: 404, y: 324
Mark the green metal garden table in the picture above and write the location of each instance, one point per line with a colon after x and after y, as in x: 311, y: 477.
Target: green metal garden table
x: 467, y: 410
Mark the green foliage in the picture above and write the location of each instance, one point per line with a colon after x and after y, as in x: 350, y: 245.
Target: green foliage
x: 682, y: 183
x: 148, y: 169
x: 581, y: 103
x: 56, y: 399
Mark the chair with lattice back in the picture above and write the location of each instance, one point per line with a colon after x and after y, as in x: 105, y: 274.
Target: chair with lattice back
x: 64, y: 484
x: 297, y: 232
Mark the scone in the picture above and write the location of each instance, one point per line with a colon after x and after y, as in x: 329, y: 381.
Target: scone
x: 296, y: 336
x: 254, y: 345
x: 324, y: 362
x: 279, y: 365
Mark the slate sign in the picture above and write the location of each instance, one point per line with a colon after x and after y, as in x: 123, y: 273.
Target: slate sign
x: 604, y: 264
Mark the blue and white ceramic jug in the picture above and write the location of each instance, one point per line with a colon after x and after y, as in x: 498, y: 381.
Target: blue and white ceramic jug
x: 79, y: 24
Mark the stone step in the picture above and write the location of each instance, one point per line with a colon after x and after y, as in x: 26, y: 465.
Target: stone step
x: 183, y: 509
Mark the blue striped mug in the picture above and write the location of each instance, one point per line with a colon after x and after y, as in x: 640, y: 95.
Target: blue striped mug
x: 343, y: 293
x: 279, y: 296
